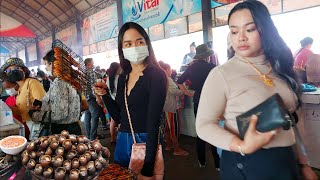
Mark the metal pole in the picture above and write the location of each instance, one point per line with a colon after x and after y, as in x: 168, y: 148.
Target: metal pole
x: 119, y: 9
x: 79, y: 49
x: 26, y: 54
x: 207, y: 20
x: 38, y: 52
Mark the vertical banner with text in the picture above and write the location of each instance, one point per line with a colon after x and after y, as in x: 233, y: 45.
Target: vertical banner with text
x: 100, y: 26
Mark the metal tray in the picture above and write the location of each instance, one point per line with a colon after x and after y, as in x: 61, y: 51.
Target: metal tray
x: 36, y: 177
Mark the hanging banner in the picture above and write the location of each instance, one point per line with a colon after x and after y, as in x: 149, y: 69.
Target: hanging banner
x: 218, y: 3
x: 100, y: 26
x: 32, y: 52
x: 221, y: 14
x: 195, y: 22
x: 176, y: 27
x: 156, y: 32
x: 45, y: 46
x: 85, y: 50
x: 107, y: 45
x: 291, y: 5
x: 151, y: 12
x: 69, y: 37
x: 22, y: 55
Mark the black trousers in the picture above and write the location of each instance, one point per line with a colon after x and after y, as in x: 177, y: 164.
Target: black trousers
x: 201, y: 146
x: 265, y: 164
x: 73, y: 128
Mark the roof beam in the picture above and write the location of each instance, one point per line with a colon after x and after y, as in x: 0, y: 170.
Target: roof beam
x: 29, y: 10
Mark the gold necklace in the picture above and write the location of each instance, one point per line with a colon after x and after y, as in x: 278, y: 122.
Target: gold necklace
x: 266, y: 80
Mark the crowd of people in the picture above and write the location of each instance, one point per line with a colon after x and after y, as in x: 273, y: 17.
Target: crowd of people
x: 141, y: 98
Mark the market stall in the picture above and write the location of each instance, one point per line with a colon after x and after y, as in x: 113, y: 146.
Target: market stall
x: 310, y: 124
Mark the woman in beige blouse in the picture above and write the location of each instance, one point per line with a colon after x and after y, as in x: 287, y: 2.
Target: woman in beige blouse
x: 262, y: 66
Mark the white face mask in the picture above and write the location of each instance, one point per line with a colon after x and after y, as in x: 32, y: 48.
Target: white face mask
x: 49, y: 73
x: 11, y: 92
x: 136, y: 55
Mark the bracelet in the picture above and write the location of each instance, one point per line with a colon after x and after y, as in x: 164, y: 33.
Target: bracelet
x: 240, y: 151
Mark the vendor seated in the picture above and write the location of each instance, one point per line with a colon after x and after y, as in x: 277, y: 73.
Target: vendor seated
x: 313, y: 70
x: 11, y: 89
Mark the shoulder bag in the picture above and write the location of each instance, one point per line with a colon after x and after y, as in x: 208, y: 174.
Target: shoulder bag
x: 138, y: 152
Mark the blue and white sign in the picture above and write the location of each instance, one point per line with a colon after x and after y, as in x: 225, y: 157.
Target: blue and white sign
x: 217, y: 3
x: 100, y: 26
x: 151, y: 12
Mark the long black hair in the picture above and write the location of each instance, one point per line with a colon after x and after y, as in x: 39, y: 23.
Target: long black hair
x: 124, y: 63
x: 49, y: 56
x: 114, y: 67
x: 275, y: 49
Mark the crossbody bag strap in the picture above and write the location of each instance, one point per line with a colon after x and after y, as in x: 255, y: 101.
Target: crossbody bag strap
x: 28, y: 96
x: 128, y: 113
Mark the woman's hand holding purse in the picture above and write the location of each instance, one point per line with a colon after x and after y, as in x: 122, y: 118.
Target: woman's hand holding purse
x: 253, y: 140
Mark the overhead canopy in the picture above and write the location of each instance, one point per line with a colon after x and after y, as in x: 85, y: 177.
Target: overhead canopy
x: 38, y: 17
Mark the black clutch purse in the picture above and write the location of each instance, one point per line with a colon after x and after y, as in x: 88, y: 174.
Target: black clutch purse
x: 271, y: 115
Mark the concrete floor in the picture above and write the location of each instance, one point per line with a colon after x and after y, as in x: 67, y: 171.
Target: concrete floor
x: 178, y: 167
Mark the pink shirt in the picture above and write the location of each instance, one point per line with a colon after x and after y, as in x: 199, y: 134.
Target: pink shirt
x: 302, y: 58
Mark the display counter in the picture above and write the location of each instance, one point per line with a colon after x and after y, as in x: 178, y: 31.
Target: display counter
x: 188, y: 121
x: 13, y: 129
x: 309, y: 125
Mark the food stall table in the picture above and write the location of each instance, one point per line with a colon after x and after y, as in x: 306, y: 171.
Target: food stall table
x: 309, y: 125
x: 12, y: 129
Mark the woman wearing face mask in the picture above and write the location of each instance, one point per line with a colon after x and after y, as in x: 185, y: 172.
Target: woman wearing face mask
x: 11, y: 89
x: 63, y: 100
x: 143, y: 83
x: 29, y: 89
x: 262, y: 66
x: 41, y: 76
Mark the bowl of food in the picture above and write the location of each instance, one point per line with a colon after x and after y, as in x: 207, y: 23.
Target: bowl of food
x: 13, y: 145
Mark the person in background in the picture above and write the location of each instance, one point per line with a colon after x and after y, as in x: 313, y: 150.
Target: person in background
x: 262, y: 66
x: 62, y: 100
x: 112, y: 84
x: 98, y: 72
x: 197, y: 73
x: 104, y: 73
x: 29, y: 89
x: 189, y: 57
x: 143, y: 83
x: 214, y: 57
x: 95, y: 111
x: 174, y: 75
x: 33, y: 73
x: 2, y: 90
x: 42, y: 77
x: 170, y: 108
x: 12, y: 90
x: 301, y: 58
